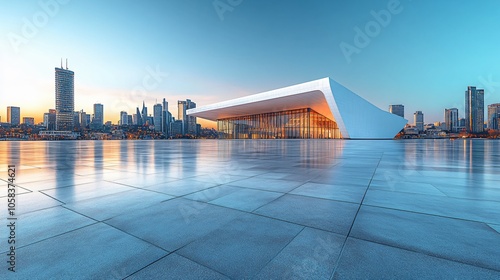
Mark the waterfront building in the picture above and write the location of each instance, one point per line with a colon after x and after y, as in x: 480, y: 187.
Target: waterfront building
x: 123, y: 118
x: 474, y: 110
x: 451, y: 119
x: 65, y: 98
x: 317, y: 109
x: 397, y: 110
x: 29, y: 121
x: 14, y: 115
x: 157, y: 116
x: 188, y: 122
x: 493, y: 115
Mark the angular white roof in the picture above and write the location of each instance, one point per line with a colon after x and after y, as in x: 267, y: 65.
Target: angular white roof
x: 356, y: 117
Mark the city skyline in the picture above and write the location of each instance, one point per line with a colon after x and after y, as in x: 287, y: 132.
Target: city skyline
x: 210, y: 56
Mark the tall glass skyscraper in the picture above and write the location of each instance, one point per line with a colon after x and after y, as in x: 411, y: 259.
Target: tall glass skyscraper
x: 418, y: 119
x: 451, y: 119
x: 474, y: 110
x: 188, y: 122
x: 98, y: 121
x: 65, y: 99
x: 14, y: 115
x: 166, y: 119
x: 157, y: 119
x: 493, y: 116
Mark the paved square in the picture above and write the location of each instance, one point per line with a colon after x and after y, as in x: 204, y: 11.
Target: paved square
x: 254, y: 209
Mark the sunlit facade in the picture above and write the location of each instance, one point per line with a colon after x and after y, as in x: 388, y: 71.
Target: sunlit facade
x: 317, y: 109
x: 65, y: 99
x: 293, y: 124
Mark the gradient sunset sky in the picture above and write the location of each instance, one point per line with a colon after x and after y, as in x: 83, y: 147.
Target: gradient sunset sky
x: 424, y: 56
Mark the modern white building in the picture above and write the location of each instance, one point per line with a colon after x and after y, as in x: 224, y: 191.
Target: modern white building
x: 317, y: 109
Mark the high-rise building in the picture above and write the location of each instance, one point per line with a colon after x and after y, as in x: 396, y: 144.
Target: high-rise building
x: 166, y: 119
x: 139, y: 117
x: 98, y: 119
x: 134, y: 119
x: 45, y: 119
x: 76, y: 120
x: 418, y: 120
x: 397, y: 110
x: 82, y: 116
x: 451, y: 119
x: 144, y: 113
x: 493, y: 115
x: 188, y: 122
x: 176, y: 128
x: 65, y: 98
x: 191, y: 124
x: 14, y: 115
x: 123, y: 118
x: 49, y: 119
x: 474, y: 110
x: 181, y: 115
x: 157, y: 116
x: 28, y: 121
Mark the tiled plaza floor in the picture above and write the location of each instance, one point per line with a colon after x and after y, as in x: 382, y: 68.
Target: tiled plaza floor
x: 255, y: 209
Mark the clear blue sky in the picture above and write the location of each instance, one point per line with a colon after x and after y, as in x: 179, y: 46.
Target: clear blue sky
x: 424, y: 57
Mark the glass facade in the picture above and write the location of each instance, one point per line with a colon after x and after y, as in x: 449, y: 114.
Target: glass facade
x: 300, y: 123
x: 65, y: 99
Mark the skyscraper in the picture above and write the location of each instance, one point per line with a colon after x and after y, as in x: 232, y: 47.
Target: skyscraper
x: 397, y: 110
x: 157, y: 116
x: 166, y: 119
x: 14, y: 115
x: 191, y: 120
x: 188, y: 122
x: 144, y: 113
x: 83, y: 119
x: 98, y: 120
x: 138, y: 120
x: 451, y: 119
x: 493, y: 115
x: 49, y: 119
x: 418, y: 119
x: 181, y: 115
x: 474, y: 110
x: 76, y: 120
x: 123, y: 118
x: 65, y: 98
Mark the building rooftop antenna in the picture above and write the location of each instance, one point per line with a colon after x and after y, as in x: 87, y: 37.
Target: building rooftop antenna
x: 61, y: 63
x: 66, y: 64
